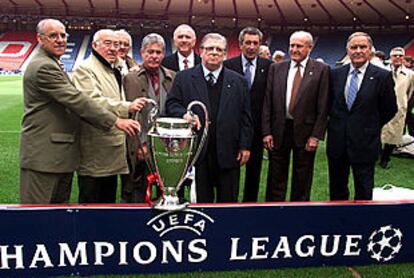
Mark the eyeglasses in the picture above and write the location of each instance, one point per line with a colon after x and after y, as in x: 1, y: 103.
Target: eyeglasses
x: 54, y: 36
x: 356, y: 46
x: 397, y: 55
x: 212, y: 48
x: 109, y: 43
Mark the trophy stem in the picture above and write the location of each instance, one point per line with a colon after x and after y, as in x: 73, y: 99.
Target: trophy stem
x: 170, y: 201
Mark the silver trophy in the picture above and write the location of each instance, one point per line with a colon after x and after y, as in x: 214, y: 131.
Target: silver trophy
x: 173, y: 150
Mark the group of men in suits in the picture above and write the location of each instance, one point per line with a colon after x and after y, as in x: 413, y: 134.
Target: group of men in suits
x: 252, y: 102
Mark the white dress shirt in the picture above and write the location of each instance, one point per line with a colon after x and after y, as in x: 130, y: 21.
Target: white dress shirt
x: 181, y: 58
x: 291, y: 77
x: 361, y: 74
x: 252, y: 67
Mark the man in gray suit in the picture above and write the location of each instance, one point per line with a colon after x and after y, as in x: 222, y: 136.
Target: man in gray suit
x: 49, y: 140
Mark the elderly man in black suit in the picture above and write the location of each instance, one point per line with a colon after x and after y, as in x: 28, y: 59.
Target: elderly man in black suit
x: 184, y: 57
x: 294, y: 118
x: 254, y: 69
x: 225, y: 93
x: 363, y: 101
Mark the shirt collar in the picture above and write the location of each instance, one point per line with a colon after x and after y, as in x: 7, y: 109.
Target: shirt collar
x: 361, y: 69
x: 215, y: 73
x: 302, y: 63
x: 181, y: 57
x: 245, y: 60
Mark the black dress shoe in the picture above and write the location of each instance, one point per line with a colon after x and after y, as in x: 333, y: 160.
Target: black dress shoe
x: 384, y: 165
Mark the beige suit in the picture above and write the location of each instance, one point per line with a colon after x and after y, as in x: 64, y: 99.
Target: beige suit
x: 103, y: 153
x: 49, y: 140
x: 404, y: 87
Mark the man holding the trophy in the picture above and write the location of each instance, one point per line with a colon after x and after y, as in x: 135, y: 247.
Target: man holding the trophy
x: 225, y: 94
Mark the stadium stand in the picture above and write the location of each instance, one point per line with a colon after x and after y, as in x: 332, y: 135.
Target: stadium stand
x: 330, y: 47
x: 71, y: 53
x: 409, y: 48
x: 15, y: 47
x: 385, y: 42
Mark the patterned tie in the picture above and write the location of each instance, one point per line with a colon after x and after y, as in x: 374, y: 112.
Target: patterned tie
x: 155, y: 81
x: 210, y: 79
x: 185, y: 61
x: 248, y: 73
x: 295, y: 88
x: 353, y: 89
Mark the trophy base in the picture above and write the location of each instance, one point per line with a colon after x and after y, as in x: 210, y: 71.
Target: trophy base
x: 170, y: 203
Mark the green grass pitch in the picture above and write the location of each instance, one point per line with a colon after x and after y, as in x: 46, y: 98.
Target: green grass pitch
x: 400, y: 174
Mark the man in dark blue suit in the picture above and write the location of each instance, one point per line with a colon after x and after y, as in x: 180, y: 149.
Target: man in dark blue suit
x: 254, y: 69
x: 362, y: 101
x: 225, y: 93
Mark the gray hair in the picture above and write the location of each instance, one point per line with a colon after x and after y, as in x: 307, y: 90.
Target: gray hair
x: 42, y: 24
x: 183, y: 27
x: 251, y: 31
x: 151, y: 39
x: 262, y: 48
x: 302, y: 34
x: 397, y: 49
x: 213, y: 36
x: 125, y: 33
x: 101, y: 32
x: 360, y: 34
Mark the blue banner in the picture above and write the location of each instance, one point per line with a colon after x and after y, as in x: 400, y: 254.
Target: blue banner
x: 78, y: 240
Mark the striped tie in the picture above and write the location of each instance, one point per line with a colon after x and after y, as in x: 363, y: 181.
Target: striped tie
x: 353, y: 89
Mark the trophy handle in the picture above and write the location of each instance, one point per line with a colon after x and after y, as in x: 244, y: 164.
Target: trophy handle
x: 205, y: 129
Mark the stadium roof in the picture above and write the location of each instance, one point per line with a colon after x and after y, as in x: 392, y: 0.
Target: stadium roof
x: 222, y: 13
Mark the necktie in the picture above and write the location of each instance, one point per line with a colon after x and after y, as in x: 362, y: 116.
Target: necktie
x: 155, y: 81
x: 295, y: 88
x: 185, y: 61
x: 210, y: 79
x: 248, y: 73
x: 353, y: 89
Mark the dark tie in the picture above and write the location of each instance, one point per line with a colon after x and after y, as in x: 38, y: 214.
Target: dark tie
x: 210, y: 79
x: 155, y: 81
x: 295, y: 88
x: 353, y: 89
x: 248, y: 73
x: 185, y: 61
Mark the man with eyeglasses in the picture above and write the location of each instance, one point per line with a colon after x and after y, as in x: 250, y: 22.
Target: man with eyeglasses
x: 225, y: 93
x: 254, y: 69
x: 53, y: 108
x: 103, y: 154
x: 185, y: 57
x: 294, y: 119
x: 392, y: 132
x: 362, y: 101
x: 126, y: 63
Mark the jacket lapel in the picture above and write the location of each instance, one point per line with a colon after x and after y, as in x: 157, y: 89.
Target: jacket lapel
x: 283, y: 76
x: 343, y: 76
x: 226, y: 93
x: 365, y: 85
x: 200, y: 86
x: 307, y: 75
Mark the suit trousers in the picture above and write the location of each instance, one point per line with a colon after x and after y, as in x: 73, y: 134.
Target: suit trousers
x: 253, y: 170
x: 97, y: 190
x: 302, y: 170
x: 339, y: 169
x: 134, y: 185
x: 44, y: 188
x: 210, y: 177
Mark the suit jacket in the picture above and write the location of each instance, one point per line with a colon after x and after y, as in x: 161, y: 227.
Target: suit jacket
x: 258, y: 88
x: 311, y: 103
x: 357, y: 132
x: 171, y: 61
x: 49, y: 140
x: 136, y: 86
x: 234, y: 130
x: 103, y: 153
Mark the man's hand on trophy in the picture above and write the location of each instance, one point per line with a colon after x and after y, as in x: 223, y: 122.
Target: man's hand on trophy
x: 193, y: 119
x: 243, y: 156
x: 138, y: 104
x: 142, y: 152
x: 130, y: 127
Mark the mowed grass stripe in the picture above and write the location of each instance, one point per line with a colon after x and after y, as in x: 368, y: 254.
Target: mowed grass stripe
x: 401, y: 173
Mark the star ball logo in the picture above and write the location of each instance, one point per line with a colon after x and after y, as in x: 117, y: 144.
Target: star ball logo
x: 385, y: 243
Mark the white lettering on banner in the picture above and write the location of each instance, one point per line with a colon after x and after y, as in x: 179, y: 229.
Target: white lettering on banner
x: 22, y: 51
x: 122, y: 253
x: 151, y: 249
x: 41, y: 255
x: 168, y: 248
x: 5, y: 256
x: 305, y: 246
x: 351, y: 245
x: 80, y: 251
x: 195, y: 249
x: 99, y: 254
